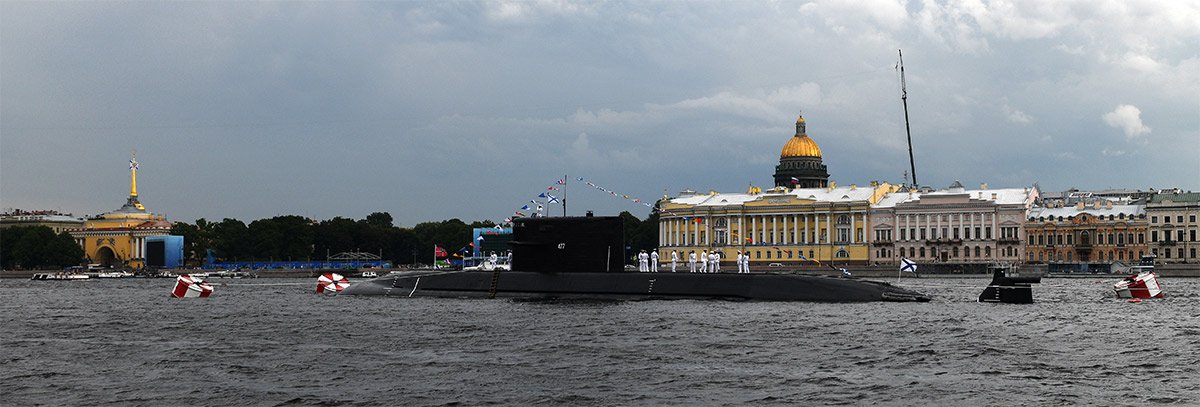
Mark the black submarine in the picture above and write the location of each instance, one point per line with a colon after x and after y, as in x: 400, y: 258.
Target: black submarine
x: 582, y: 258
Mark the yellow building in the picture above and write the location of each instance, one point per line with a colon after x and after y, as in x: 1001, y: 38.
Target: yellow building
x: 817, y: 222
x: 780, y: 225
x: 118, y: 238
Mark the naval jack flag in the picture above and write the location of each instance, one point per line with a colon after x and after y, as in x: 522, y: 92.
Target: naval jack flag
x: 908, y: 265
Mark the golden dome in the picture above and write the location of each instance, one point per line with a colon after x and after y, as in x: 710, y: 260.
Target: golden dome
x: 800, y: 146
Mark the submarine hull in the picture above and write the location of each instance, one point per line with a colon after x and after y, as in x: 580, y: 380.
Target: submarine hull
x: 621, y: 285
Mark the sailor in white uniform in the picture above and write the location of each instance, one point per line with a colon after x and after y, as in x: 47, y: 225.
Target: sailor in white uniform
x: 712, y: 262
x: 674, y: 259
x: 654, y: 261
x: 494, y: 259
x: 739, y: 261
x: 704, y: 260
x: 692, y: 261
x: 642, y: 258
x: 746, y: 262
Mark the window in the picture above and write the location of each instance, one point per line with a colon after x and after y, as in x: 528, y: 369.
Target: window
x: 1192, y: 218
x: 988, y: 234
x: 1193, y: 234
x: 1153, y: 219
x: 1141, y: 238
x: 977, y: 234
x: 945, y: 235
x: 903, y: 234
x: 956, y: 233
x: 1179, y: 235
x: 912, y: 233
x: 1167, y: 219
x: 1179, y: 219
x: 768, y: 254
x: 1153, y: 235
x: 976, y: 251
x: 922, y: 233
x: 1192, y: 253
x: 987, y: 252
x: 841, y: 254
x: 966, y: 233
x: 1181, y: 252
x: 922, y: 252
x: 955, y: 251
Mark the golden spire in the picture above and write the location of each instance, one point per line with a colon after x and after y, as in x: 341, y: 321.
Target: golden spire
x: 133, y: 166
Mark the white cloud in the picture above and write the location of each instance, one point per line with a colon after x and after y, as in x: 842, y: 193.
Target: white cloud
x: 1016, y: 116
x: 1107, y: 152
x: 1129, y: 119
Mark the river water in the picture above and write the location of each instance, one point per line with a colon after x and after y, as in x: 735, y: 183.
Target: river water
x: 274, y: 342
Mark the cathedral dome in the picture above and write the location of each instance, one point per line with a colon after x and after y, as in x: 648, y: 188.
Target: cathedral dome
x: 800, y: 146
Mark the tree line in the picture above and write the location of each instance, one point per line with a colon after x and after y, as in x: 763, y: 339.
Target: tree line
x: 296, y: 238
x: 290, y: 238
x: 37, y: 247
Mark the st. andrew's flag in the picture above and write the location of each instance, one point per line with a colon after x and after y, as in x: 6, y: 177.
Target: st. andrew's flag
x: 908, y: 265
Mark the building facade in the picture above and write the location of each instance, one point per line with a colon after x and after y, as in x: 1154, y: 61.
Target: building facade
x: 1090, y: 231
x: 954, y: 225
x: 118, y: 238
x: 780, y: 225
x: 1173, y: 226
x: 58, y: 222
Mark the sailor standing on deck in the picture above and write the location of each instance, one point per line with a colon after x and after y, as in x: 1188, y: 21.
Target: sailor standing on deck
x: 692, y: 261
x: 654, y: 261
x: 739, y: 261
x: 642, y: 258
x: 712, y: 262
x: 674, y: 258
x: 746, y: 262
x: 704, y: 261
x: 494, y: 259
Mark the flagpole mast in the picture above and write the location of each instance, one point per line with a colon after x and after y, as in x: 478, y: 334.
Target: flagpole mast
x: 904, y: 98
x: 564, y: 195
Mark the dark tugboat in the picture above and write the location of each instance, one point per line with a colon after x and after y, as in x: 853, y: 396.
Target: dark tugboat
x: 582, y: 257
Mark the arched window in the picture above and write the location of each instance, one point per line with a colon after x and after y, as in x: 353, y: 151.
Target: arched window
x: 922, y: 252
x: 841, y: 254
x: 843, y: 220
x: 987, y: 252
x: 976, y: 251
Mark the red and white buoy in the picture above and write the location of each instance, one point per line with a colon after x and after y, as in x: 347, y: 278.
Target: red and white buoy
x: 1141, y: 285
x: 331, y: 283
x: 190, y: 287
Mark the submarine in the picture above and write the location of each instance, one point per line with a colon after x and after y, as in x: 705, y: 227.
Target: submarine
x: 582, y: 258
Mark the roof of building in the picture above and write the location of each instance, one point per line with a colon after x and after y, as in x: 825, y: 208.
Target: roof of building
x: 1176, y: 197
x: 1004, y: 196
x: 40, y: 218
x: 839, y: 194
x: 1071, y: 210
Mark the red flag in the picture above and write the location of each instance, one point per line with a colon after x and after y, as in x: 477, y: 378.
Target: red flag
x: 438, y: 251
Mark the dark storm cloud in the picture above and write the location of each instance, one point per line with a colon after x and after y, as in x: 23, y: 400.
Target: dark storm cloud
x: 467, y: 109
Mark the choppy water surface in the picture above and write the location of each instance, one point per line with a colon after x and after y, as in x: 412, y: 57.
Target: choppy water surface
x: 123, y: 342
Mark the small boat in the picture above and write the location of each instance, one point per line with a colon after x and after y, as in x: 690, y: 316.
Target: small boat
x: 1142, y: 284
x: 369, y: 274
x: 112, y: 274
x: 59, y: 276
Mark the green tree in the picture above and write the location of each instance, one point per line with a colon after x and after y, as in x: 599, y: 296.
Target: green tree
x: 38, y: 247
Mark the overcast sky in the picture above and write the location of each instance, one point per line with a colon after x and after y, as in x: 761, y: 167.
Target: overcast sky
x: 438, y: 110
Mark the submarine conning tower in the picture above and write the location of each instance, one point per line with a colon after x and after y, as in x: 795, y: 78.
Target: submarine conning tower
x: 568, y: 244
x: 1009, y: 286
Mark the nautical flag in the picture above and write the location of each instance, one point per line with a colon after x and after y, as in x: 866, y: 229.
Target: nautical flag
x: 562, y: 182
x: 801, y: 255
x: 553, y: 199
x: 580, y: 178
x: 498, y: 227
x: 648, y: 205
x: 507, y: 220
x: 518, y: 213
x: 551, y: 189
x: 908, y: 265
x: 699, y: 220
x: 525, y: 207
x: 795, y: 180
x: 533, y: 202
x: 542, y: 195
x: 473, y: 244
x: 845, y: 273
x: 133, y: 165
x: 438, y: 251
x: 479, y: 238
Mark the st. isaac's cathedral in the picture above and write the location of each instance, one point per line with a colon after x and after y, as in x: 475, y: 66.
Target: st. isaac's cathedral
x: 804, y: 217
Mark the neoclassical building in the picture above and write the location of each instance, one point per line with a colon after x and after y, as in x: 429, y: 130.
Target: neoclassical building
x: 1173, y: 226
x: 118, y: 238
x: 804, y: 217
x: 779, y: 225
x: 1090, y: 231
x: 953, y: 225
x: 800, y: 163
